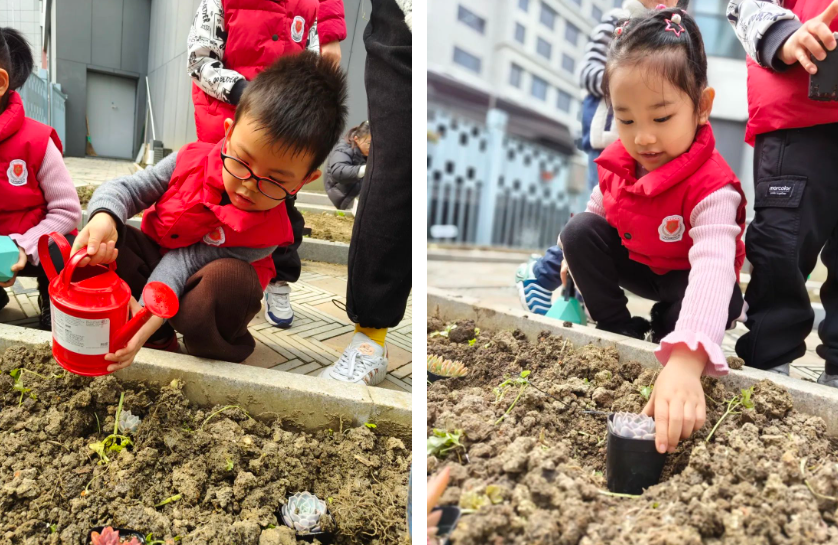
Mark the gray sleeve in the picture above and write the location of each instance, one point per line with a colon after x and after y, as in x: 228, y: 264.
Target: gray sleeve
x: 179, y: 264
x: 342, y: 169
x: 752, y: 21
x: 127, y: 196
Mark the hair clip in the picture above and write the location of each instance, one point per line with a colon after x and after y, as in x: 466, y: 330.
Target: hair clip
x: 620, y: 29
x: 660, y: 6
x: 669, y: 28
x: 676, y: 19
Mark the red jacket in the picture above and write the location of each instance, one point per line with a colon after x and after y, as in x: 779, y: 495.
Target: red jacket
x: 780, y: 100
x: 189, y: 212
x: 23, y: 144
x: 258, y: 33
x: 652, y: 215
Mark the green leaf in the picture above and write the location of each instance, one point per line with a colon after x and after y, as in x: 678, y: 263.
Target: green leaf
x: 746, y: 398
x: 370, y: 425
x: 53, y: 529
x: 229, y: 466
x: 476, y: 331
x: 471, y: 342
x: 646, y: 391
x: 585, y: 381
x: 525, y: 374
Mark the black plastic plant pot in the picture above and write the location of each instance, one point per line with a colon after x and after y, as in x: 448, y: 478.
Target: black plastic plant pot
x: 433, y: 377
x: 124, y: 533
x: 448, y: 521
x: 631, y: 465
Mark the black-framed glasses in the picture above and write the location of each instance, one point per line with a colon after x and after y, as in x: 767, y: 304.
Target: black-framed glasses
x: 241, y: 171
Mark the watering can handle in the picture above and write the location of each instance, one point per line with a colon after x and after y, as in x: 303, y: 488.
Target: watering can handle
x: 46, y: 258
x: 70, y: 268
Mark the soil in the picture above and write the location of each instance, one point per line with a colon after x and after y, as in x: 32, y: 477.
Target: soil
x: 544, y: 462
x: 233, y: 473
x: 328, y: 226
x: 85, y: 193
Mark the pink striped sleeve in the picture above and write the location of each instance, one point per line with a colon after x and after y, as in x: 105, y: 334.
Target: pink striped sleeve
x: 595, y: 202
x: 704, y: 310
x: 63, y: 208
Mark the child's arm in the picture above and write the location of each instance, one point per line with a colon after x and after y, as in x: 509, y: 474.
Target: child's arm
x: 205, y: 47
x: 331, y: 28
x: 63, y: 208
x: 342, y: 169
x: 593, y: 62
x: 762, y: 26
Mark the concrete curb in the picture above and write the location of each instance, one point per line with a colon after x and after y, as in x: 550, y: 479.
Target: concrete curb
x: 808, y: 397
x: 306, y: 402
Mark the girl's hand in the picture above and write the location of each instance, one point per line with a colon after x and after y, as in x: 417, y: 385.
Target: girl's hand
x: 100, y: 236
x: 436, y: 486
x: 16, y: 268
x: 811, y: 38
x: 677, y: 400
x: 124, y: 357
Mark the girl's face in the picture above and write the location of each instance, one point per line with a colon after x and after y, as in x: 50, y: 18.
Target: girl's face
x: 363, y: 143
x: 656, y: 121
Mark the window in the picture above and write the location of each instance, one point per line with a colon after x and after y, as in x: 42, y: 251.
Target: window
x: 525, y: 5
x: 516, y: 73
x: 563, y: 102
x: 711, y: 19
x: 539, y: 88
x: 568, y: 63
x: 571, y: 33
x: 544, y: 48
x: 577, y: 2
x: 596, y: 14
x: 470, y: 19
x: 548, y: 16
x: 467, y: 60
x: 618, y: 3
x: 520, y: 32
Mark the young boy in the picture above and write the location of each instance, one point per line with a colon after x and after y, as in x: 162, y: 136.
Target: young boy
x: 794, y: 141
x: 215, y: 212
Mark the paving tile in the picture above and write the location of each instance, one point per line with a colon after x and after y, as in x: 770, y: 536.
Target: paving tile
x: 264, y: 357
x: 403, y: 371
x: 288, y: 365
x: 332, y: 285
x: 307, y: 368
x: 330, y: 309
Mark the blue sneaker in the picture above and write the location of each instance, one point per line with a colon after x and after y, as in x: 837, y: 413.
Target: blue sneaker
x: 278, y: 309
x: 534, y: 297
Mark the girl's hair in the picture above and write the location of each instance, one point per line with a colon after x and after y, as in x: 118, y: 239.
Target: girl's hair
x: 15, y: 57
x: 659, y: 44
x: 360, y: 131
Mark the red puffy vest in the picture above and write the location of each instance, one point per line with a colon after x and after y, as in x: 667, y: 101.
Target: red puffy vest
x: 258, y: 33
x: 189, y: 212
x: 23, y: 144
x: 780, y: 100
x: 652, y: 215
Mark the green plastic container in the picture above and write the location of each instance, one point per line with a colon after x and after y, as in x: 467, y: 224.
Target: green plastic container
x: 568, y: 308
x: 9, y: 254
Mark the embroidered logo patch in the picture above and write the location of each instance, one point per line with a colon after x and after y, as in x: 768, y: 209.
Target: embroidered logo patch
x: 366, y: 349
x: 17, y: 172
x: 671, y: 229
x: 779, y: 190
x: 215, y: 237
x: 297, y: 27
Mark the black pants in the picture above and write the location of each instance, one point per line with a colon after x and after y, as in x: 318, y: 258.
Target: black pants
x: 286, y: 259
x: 37, y: 271
x: 601, y: 268
x: 379, y: 278
x: 796, y: 198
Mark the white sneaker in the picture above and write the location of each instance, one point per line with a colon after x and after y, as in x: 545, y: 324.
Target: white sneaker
x: 363, y: 362
x: 278, y: 309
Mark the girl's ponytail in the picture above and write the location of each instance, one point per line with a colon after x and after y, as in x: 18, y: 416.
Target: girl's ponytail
x: 15, y: 57
x: 360, y: 131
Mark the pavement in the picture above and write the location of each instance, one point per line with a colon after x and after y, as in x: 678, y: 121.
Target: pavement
x: 493, y: 280
x: 320, y: 330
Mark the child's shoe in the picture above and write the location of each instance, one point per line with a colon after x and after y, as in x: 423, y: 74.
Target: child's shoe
x: 363, y: 362
x: 45, y: 319
x: 534, y: 297
x: 168, y: 345
x: 784, y: 370
x: 828, y: 380
x: 278, y: 309
x: 4, y: 298
x: 636, y: 328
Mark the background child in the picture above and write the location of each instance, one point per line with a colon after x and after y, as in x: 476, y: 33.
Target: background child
x: 347, y: 165
x: 215, y: 211
x: 794, y: 141
x: 37, y: 195
x: 666, y: 220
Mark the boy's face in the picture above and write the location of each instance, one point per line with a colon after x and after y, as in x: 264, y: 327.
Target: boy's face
x: 287, y: 168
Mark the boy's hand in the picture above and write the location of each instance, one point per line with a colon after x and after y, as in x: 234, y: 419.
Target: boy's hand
x: 811, y: 38
x: 677, y: 400
x: 124, y: 357
x: 16, y: 268
x: 331, y: 51
x: 100, y: 235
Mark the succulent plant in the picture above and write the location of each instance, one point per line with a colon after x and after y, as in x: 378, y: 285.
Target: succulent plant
x: 446, y: 368
x: 128, y: 423
x: 303, y: 512
x: 632, y: 426
x: 109, y: 536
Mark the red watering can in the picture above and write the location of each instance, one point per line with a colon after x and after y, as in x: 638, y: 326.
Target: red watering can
x: 90, y: 309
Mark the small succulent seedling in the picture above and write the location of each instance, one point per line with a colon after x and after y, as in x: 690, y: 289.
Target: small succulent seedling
x: 632, y: 426
x: 303, y: 512
x: 742, y: 400
x: 521, y: 381
x: 113, y: 442
x: 646, y: 392
x: 445, y: 332
x: 109, y: 536
x: 443, y: 440
x: 128, y: 423
x: 446, y: 368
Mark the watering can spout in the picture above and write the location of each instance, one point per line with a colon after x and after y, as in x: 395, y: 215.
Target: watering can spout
x: 159, y: 300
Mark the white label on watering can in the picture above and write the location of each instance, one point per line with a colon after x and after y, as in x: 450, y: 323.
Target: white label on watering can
x: 79, y: 335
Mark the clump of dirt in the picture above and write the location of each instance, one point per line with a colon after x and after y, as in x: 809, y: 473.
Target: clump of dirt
x: 768, y: 474
x: 85, y: 193
x: 232, y: 473
x: 329, y: 226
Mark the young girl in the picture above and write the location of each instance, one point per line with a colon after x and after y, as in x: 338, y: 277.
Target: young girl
x: 666, y: 220
x: 347, y: 165
x: 37, y: 195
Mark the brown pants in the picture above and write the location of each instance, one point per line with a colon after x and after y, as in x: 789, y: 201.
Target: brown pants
x: 217, y: 303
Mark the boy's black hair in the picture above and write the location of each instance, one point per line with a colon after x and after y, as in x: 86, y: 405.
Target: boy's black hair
x: 645, y: 40
x: 15, y: 57
x: 300, y: 103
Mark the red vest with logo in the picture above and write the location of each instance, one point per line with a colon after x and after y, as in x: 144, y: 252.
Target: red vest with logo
x: 780, y: 100
x: 23, y: 144
x: 189, y: 212
x: 258, y: 33
x: 652, y: 214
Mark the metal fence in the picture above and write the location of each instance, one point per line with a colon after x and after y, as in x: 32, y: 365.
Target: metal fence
x: 44, y: 102
x: 496, y: 189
